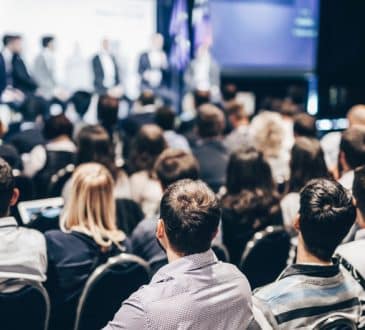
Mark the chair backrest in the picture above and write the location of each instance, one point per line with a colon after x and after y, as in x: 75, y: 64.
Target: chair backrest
x: 59, y: 179
x: 336, y: 322
x: 106, y: 289
x: 266, y: 255
x: 221, y: 252
x: 27, y: 307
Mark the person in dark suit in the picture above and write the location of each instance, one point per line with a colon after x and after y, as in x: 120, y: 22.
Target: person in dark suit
x: 26, y: 135
x: 105, y: 69
x: 3, y: 79
x: 153, y: 64
x: 209, y: 149
x: 20, y: 76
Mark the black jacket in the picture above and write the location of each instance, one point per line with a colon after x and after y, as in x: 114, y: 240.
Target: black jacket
x: 99, y: 74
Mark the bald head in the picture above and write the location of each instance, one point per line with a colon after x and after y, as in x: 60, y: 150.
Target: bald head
x: 356, y: 115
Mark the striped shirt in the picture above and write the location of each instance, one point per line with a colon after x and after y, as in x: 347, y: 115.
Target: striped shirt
x: 305, y: 295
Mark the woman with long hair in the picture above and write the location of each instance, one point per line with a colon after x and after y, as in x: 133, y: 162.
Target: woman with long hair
x: 251, y: 201
x: 307, y: 162
x: 88, y: 237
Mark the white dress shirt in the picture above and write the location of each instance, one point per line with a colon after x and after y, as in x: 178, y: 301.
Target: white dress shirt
x: 22, y: 252
x: 108, y: 68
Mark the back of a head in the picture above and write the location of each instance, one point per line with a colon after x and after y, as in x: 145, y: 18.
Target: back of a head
x: 81, y: 101
x: 91, y: 206
x: 356, y: 115
x: 165, y: 118
x: 191, y: 213
x: 267, y: 133
x: 237, y: 111
x: 289, y: 109
x: 32, y: 107
x: 326, y: 216
x: 201, y: 97
x: 229, y: 92
x: 57, y: 126
x: 7, y: 185
x: 210, y: 121
x: 358, y: 189
x: 353, y: 146
x: 107, y: 110
x: 305, y: 125
x: 247, y: 169
x: 147, y: 146
x: 173, y: 165
x: 94, y: 145
x: 147, y: 97
x: 307, y: 162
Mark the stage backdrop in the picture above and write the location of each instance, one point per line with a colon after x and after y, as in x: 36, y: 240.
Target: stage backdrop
x: 79, y: 26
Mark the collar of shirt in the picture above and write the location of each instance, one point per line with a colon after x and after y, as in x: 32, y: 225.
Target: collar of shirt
x: 8, y: 222
x: 185, y: 264
x: 360, y: 234
x: 27, y: 125
x: 311, y: 270
x: 64, y: 145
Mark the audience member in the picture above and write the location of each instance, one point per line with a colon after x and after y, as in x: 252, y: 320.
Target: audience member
x: 172, y: 165
x: 24, y: 136
x: 251, y: 201
x: 288, y: 111
x: 88, y: 236
x: 331, y: 142
x: 209, y: 150
x: 22, y: 251
x: 165, y: 118
x: 94, y: 145
x: 107, y: 112
x: 305, y: 125
x: 58, y: 151
x: 194, y: 290
x: 239, y: 121
x: 146, y: 147
x: 352, y: 154
x: 306, y: 163
x: 267, y: 134
x: 352, y: 253
x: 314, y: 289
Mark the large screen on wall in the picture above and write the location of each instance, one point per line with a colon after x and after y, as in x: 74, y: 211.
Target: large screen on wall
x: 79, y: 26
x: 265, y: 36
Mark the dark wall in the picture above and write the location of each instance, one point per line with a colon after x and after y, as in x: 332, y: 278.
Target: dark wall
x: 341, y: 56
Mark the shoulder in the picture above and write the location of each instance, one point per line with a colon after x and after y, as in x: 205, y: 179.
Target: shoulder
x: 33, y: 236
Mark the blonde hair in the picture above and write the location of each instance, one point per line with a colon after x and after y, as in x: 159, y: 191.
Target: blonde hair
x: 267, y: 133
x: 91, y: 206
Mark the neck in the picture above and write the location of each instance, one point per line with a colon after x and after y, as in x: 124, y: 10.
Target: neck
x: 242, y: 122
x: 173, y: 255
x: 305, y: 257
x: 61, y: 138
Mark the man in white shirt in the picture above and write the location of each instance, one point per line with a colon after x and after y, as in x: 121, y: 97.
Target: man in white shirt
x: 106, y: 71
x: 22, y: 251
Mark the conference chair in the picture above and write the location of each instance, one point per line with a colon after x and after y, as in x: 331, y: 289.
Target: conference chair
x: 221, y: 252
x: 59, y: 179
x: 27, y: 307
x: 108, y: 286
x: 336, y: 322
x: 266, y: 255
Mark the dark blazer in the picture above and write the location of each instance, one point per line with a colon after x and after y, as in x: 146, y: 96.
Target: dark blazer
x: 144, y: 64
x: 2, y: 74
x: 24, y: 141
x: 72, y: 257
x: 99, y: 74
x: 213, y: 158
x: 21, y: 78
